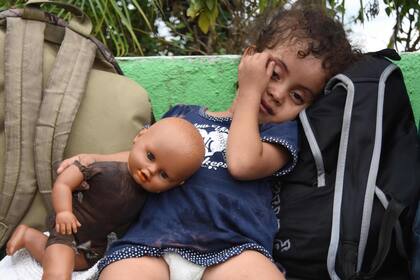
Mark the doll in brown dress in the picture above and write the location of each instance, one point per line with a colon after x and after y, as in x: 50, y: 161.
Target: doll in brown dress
x: 92, y: 201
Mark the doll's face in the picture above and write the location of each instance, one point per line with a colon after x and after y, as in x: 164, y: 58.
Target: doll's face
x: 160, y: 160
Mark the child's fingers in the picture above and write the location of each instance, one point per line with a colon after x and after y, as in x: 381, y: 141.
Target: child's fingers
x: 60, y: 228
x: 247, y: 51
x: 74, y: 227
x: 69, y: 228
x: 66, y: 163
x: 270, y: 67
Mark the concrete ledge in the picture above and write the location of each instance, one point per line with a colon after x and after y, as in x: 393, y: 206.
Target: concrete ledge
x: 210, y: 80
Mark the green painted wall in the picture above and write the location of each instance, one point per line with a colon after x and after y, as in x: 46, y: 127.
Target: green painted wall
x: 210, y: 80
x: 410, y: 66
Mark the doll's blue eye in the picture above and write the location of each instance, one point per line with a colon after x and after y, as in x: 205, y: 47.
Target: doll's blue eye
x: 150, y: 156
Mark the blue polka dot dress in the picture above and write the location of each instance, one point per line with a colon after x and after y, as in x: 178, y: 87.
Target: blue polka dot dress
x: 211, y: 217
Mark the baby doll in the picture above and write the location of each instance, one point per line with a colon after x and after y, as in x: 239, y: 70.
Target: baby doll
x: 91, y: 202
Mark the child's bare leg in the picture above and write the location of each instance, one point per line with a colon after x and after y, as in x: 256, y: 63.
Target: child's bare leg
x: 58, y: 262
x: 144, y: 268
x: 31, y: 239
x: 247, y: 265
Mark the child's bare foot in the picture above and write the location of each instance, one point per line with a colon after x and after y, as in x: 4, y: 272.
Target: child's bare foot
x: 17, y: 241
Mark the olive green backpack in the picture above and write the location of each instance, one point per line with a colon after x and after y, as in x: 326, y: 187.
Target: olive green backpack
x: 62, y: 93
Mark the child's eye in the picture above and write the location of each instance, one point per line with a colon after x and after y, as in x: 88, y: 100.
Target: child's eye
x: 164, y: 175
x: 150, y: 156
x: 297, y: 98
x: 275, y: 76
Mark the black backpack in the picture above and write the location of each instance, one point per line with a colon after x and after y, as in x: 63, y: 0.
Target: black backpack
x: 347, y: 208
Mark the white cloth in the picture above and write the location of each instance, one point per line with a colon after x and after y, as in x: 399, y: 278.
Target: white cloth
x: 21, y: 266
x: 182, y: 269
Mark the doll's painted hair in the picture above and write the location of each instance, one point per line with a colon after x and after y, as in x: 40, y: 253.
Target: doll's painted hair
x: 309, y: 25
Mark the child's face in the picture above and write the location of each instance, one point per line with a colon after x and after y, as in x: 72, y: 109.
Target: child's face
x: 294, y: 84
x: 155, y: 163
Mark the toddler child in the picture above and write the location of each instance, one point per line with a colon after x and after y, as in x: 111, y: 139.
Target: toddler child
x: 91, y: 202
x: 220, y: 223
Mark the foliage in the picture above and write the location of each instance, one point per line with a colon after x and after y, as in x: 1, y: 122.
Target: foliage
x: 407, y: 23
x: 120, y: 25
x: 406, y: 30
x: 133, y: 27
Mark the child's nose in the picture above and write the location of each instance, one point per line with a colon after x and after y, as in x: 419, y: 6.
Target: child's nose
x: 278, y: 96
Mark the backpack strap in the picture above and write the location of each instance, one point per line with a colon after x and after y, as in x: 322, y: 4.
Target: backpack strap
x: 389, y: 222
x: 374, y: 166
x: 344, y: 81
x: 23, y: 91
x: 313, y: 144
x: 62, y: 96
x: 399, y: 239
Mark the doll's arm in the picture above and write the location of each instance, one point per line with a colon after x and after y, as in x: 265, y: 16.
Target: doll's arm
x: 65, y: 221
x: 87, y: 159
x: 248, y: 157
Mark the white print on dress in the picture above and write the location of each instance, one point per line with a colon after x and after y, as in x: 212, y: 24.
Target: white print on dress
x: 215, y: 142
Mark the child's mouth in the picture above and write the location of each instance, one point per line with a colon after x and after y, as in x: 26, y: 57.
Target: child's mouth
x: 265, y: 108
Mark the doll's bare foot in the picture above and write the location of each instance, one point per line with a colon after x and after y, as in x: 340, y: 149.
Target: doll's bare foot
x: 17, y: 241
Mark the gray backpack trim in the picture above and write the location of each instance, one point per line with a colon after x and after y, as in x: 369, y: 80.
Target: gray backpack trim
x: 371, y: 187
x: 316, y: 152
x: 339, y: 180
x: 62, y: 95
x: 374, y: 166
x: 23, y: 86
x: 398, y: 230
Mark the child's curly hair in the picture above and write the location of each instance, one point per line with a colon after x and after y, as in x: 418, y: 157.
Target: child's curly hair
x: 309, y: 25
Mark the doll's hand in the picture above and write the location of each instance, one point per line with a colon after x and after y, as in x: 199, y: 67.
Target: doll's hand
x: 84, y: 159
x: 254, y: 72
x: 66, y: 222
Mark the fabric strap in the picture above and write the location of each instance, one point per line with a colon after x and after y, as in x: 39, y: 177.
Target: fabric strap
x: 389, y: 222
x: 345, y: 82
x: 62, y: 96
x: 313, y: 144
x: 23, y: 92
x: 374, y: 167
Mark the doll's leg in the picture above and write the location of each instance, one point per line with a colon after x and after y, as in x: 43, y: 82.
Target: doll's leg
x: 144, y: 268
x: 58, y: 262
x: 31, y: 239
x: 248, y: 265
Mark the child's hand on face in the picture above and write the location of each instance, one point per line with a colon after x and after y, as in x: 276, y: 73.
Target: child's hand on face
x: 66, y: 222
x: 254, y: 72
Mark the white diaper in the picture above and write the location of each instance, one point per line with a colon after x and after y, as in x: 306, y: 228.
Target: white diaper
x: 182, y: 269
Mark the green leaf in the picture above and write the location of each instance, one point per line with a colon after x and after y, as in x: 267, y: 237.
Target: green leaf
x: 213, y: 17
x: 262, y: 5
x: 204, y: 23
x: 193, y: 12
x: 211, y: 4
x: 140, y: 10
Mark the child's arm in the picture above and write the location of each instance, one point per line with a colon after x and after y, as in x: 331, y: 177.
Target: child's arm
x: 248, y: 157
x: 64, y: 185
x: 87, y: 159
